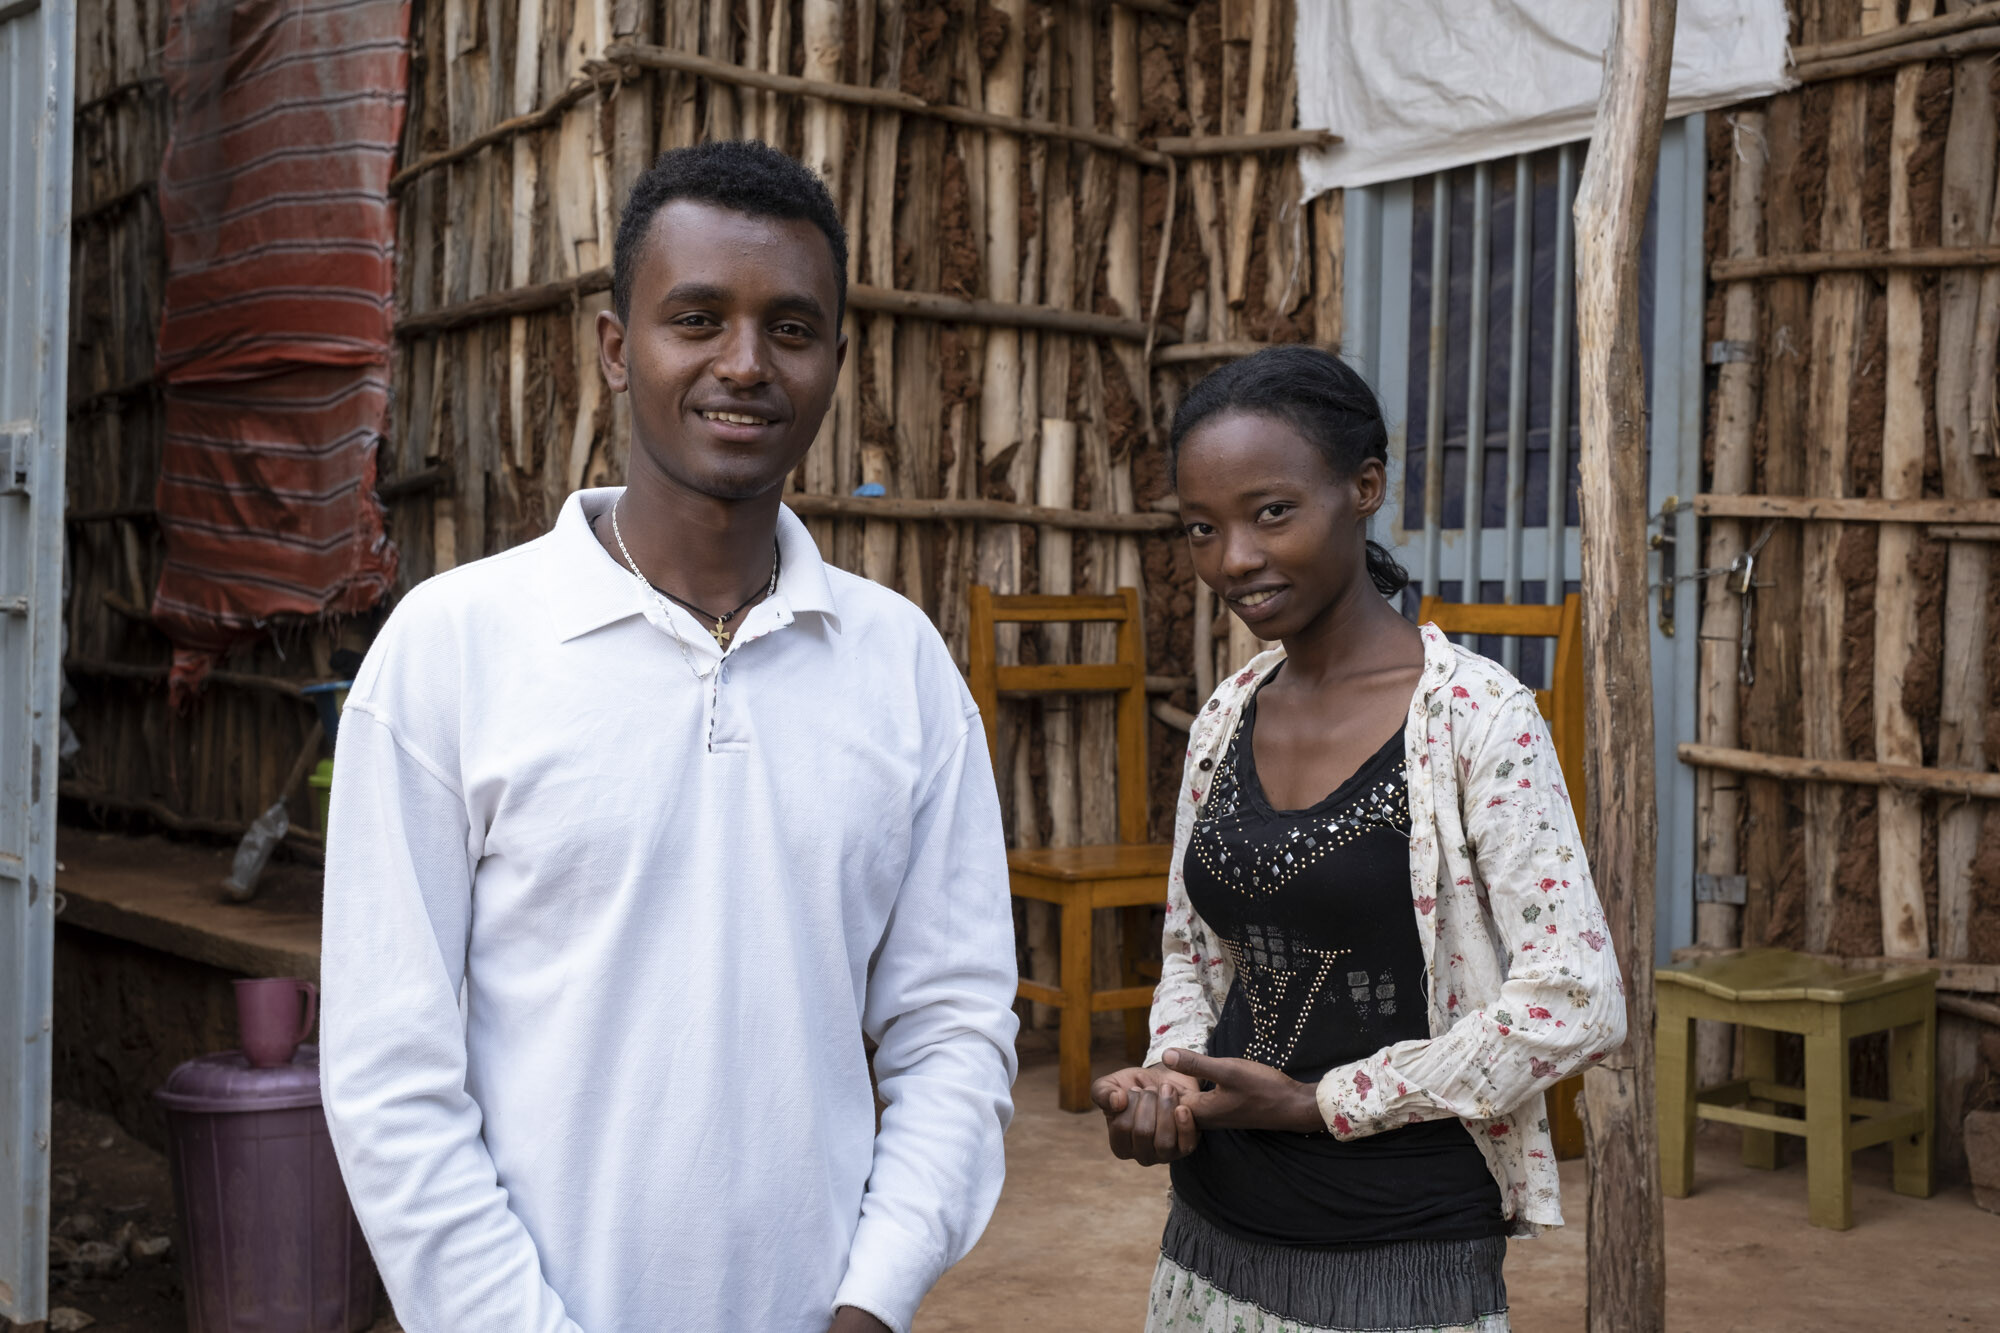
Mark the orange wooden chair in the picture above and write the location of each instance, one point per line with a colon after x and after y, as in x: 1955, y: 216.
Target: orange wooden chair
x: 1562, y: 705
x: 1130, y: 874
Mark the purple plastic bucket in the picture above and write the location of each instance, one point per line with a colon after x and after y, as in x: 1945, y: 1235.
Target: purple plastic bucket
x: 270, y: 1240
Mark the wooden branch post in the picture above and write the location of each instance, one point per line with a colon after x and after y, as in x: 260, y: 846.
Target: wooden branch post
x: 1718, y: 793
x: 1967, y: 218
x: 1838, y: 304
x: 1626, y: 1242
x: 1900, y: 815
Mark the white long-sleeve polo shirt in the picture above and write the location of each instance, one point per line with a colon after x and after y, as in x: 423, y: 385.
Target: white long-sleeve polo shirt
x: 673, y: 894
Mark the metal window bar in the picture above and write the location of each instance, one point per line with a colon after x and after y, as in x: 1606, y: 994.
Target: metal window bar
x: 1471, y: 582
x: 1517, y: 398
x: 1461, y: 364
x: 1434, y: 384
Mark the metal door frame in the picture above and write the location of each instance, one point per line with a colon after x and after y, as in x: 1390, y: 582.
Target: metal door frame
x: 37, y: 96
x: 1377, y: 321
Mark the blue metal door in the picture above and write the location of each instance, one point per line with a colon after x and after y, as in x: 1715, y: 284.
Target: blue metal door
x: 37, y: 59
x: 1460, y: 311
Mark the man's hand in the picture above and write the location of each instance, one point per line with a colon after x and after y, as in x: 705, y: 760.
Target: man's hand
x: 1144, y: 1114
x: 847, y: 1319
x: 1247, y: 1095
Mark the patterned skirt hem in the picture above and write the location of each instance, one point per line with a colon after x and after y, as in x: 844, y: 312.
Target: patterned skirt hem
x: 1209, y: 1281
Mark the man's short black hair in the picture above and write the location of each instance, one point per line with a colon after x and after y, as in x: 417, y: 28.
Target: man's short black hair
x: 738, y: 174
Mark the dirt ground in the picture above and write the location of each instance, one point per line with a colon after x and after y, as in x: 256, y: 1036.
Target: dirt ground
x: 1073, y: 1242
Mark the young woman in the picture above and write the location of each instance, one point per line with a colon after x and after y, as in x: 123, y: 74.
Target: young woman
x: 1382, y: 942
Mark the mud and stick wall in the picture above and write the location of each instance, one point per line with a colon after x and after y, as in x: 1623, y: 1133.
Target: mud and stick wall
x: 1871, y: 641
x: 527, y: 122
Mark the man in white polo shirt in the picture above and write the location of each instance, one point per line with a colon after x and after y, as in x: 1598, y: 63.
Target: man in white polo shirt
x: 639, y: 827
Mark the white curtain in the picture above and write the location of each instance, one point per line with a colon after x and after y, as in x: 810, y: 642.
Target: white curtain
x: 1416, y: 86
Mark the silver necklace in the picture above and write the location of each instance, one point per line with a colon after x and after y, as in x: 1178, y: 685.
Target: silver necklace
x: 661, y: 600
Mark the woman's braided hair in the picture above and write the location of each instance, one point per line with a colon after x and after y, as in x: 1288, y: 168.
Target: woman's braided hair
x: 1318, y: 395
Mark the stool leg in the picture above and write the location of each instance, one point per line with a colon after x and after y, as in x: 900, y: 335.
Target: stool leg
x: 1674, y: 1075
x: 1073, y: 1039
x: 1760, y: 1063
x: 1132, y: 940
x: 1913, y: 1082
x: 1829, y: 1166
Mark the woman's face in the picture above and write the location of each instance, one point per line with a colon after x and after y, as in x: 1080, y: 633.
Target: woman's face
x: 1270, y: 526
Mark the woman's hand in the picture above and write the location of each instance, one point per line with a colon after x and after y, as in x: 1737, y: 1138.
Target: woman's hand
x: 1247, y: 1095
x: 847, y: 1319
x: 1145, y: 1114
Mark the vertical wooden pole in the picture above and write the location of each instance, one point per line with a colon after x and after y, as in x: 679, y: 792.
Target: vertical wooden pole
x: 1247, y: 172
x: 1718, y: 794
x: 1000, y: 425
x: 1329, y: 244
x: 524, y: 98
x: 879, y: 539
x: 1967, y: 218
x: 1838, y: 303
x: 1899, y: 815
x: 1625, y: 1242
x: 1770, y: 721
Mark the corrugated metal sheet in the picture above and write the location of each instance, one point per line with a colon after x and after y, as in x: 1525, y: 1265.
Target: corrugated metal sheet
x: 1460, y: 312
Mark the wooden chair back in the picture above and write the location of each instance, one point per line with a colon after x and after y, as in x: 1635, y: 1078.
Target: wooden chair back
x: 1124, y: 677
x: 1562, y: 702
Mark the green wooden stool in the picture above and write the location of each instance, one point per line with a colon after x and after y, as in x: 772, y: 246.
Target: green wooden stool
x: 1768, y: 991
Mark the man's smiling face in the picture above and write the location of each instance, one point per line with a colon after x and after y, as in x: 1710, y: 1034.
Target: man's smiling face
x: 731, y: 348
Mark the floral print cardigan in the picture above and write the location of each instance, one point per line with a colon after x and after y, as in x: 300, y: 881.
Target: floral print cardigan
x: 1522, y: 985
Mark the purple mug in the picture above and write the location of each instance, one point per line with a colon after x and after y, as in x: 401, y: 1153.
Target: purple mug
x: 269, y: 1021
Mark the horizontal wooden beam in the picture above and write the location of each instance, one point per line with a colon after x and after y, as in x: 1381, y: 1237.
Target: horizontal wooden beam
x: 1975, y: 978
x: 1964, y: 782
x: 1128, y: 997
x: 1264, y: 141
x: 504, y: 304
x: 511, y: 301
x: 163, y: 814
x: 1901, y: 53
x: 149, y: 83
x: 1974, y: 1009
x: 1853, y: 509
x: 980, y: 511
x: 1165, y: 8
x: 1808, y: 262
x: 1177, y: 718
x: 244, y: 680
x: 1943, y: 25
x: 1213, y: 351
x: 641, y: 56
x: 506, y: 129
x: 112, y: 203
x: 1064, y: 678
x: 1056, y: 608
x: 1004, y: 314
x: 1036, y: 991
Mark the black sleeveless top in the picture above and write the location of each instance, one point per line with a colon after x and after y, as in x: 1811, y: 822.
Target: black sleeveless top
x: 1314, y: 908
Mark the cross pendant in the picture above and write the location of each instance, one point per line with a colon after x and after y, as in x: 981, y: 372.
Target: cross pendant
x: 721, y: 635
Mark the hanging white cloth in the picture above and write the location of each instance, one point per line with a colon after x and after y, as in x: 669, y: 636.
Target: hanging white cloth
x: 1416, y: 86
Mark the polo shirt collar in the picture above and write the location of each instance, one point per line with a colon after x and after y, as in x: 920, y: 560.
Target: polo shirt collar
x: 593, y: 589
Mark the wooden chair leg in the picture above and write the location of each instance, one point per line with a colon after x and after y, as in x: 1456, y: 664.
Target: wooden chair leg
x: 1760, y: 1064
x: 1913, y: 1081
x: 1829, y: 1166
x: 1132, y: 934
x: 1674, y: 1073
x: 1073, y: 1038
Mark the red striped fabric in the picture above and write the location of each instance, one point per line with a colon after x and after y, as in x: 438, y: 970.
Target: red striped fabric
x: 284, y: 117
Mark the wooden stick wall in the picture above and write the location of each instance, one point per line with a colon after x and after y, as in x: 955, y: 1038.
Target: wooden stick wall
x: 1867, y: 642
x: 1034, y: 285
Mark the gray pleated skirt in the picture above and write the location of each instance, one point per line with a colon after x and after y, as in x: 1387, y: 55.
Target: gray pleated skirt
x: 1209, y: 1281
